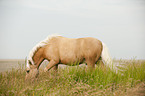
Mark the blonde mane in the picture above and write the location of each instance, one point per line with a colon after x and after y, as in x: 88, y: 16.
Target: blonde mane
x: 39, y: 45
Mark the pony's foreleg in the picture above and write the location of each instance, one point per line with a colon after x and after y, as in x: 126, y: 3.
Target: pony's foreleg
x: 51, y: 64
x: 55, y: 68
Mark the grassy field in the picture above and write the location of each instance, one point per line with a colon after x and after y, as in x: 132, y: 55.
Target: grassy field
x: 76, y: 81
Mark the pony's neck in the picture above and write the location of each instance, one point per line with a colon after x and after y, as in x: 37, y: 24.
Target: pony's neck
x: 38, y: 57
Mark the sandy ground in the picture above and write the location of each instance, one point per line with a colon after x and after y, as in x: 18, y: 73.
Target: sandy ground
x: 8, y: 64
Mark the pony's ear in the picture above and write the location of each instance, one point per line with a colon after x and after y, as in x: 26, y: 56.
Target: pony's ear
x: 29, y: 62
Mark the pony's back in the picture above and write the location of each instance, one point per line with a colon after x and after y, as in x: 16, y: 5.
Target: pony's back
x: 70, y: 50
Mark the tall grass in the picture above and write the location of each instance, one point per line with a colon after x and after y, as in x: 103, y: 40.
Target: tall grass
x: 73, y: 81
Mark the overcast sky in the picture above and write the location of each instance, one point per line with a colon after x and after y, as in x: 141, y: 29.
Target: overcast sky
x: 118, y: 23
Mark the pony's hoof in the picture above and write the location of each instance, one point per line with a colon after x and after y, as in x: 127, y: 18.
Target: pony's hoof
x: 45, y: 69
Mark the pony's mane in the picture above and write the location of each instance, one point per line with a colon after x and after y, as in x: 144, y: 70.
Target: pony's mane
x: 39, y: 45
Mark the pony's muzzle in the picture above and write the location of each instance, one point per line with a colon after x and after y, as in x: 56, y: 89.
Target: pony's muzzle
x: 31, y: 74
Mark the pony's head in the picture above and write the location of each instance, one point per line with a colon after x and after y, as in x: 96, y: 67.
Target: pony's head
x: 35, y: 58
x: 31, y: 71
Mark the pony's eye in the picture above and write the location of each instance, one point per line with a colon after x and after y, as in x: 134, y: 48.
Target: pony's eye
x: 28, y: 71
x: 29, y: 62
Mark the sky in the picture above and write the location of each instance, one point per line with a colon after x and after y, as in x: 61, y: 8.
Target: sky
x: 118, y: 23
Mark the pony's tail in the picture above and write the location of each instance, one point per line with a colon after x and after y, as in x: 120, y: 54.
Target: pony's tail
x: 106, y: 58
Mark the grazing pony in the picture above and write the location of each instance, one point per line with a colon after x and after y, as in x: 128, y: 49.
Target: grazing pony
x: 58, y: 49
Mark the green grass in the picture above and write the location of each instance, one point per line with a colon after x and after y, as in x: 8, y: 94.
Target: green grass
x: 73, y: 81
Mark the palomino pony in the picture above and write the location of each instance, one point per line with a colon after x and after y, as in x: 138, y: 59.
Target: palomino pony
x: 58, y: 49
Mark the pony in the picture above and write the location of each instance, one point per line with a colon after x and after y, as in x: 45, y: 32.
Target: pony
x: 69, y: 51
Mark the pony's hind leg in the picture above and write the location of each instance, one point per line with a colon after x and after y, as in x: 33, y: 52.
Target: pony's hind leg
x: 90, y: 63
x: 51, y: 64
x: 100, y: 63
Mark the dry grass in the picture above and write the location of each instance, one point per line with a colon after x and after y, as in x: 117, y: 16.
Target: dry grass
x: 76, y: 81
